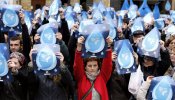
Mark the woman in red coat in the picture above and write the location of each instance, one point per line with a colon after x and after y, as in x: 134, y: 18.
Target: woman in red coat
x: 90, y: 77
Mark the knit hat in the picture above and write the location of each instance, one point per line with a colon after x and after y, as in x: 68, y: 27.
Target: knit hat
x: 19, y: 56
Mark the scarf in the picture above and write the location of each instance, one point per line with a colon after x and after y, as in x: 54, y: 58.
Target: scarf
x: 92, y: 77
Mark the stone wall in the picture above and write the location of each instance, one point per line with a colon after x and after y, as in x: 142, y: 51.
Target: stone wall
x: 27, y: 3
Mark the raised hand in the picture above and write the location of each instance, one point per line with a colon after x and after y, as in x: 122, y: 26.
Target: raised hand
x: 22, y: 16
x: 80, y: 42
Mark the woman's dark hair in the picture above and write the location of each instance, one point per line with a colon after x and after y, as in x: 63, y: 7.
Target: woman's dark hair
x: 167, y: 43
x: 86, y: 60
x: 152, y: 70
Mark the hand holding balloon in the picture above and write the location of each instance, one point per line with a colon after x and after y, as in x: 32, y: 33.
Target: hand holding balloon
x: 109, y: 41
x: 36, y: 37
x: 60, y: 56
x: 75, y: 27
x: 162, y: 45
x: 34, y: 21
x: 138, y: 40
x: 80, y: 42
x: 59, y: 36
x: 13, y: 66
x: 61, y: 10
x: 136, y: 57
x: 22, y: 17
x: 31, y: 52
x: 114, y: 56
x: 149, y: 79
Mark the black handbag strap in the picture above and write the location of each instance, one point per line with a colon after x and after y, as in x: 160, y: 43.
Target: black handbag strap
x: 87, y: 93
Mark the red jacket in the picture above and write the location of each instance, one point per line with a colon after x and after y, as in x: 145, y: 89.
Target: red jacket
x: 84, y: 83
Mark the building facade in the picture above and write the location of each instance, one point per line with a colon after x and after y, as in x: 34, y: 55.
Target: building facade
x: 30, y: 4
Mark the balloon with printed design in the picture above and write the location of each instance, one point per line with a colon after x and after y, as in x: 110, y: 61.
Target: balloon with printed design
x: 94, y: 42
x: 10, y: 18
x: 151, y: 40
x: 46, y: 59
x: 163, y: 90
x: 48, y: 36
x: 167, y: 6
x: 3, y: 65
x: 125, y: 57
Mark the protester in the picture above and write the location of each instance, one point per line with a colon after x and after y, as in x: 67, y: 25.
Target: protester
x: 16, y: 89
x: 91, y: 74
x: 92, y: 77
x: 51, y: 87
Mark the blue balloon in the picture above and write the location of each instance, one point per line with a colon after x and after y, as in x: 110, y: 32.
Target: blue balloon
x: 46, y: 59
x: 167, y: 5
x: 77, y: 8
x: 163, y: 90
x: 108, y: 15
x: 10, y: 18
x: 97, y: 15
x: 3, y: 66
x: 95, y: 5
x: 120, y: 21
x: 95, y: 42
x: 28, y: 19
x: 131, y: 2
x: 138, y: 25
x: 112, y: 32
x: 4, y: 50
x: 144, y: 8
x: 172, y: 14
x: 111, y: 22
x: 156, y: 12
x: 159, y: 23
x: 125, y: 5
x: 48, y: 36
x: 70, y: 19
x: 85, y: 23
x: 69, y: 9
x: 84, y: 15
x: 151, y: 40
x: 53, y: 10
x: 101, y: 7
x: 4, y: 2
x: 132, y: 12
x: 125, y: 57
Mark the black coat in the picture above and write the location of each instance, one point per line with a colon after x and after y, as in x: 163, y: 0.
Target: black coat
x: 118, y: 87
x: 15, y: 89
x: 26, y: 42
x: 64, y: 30
x: 159, y: 68
x: 44, y: 88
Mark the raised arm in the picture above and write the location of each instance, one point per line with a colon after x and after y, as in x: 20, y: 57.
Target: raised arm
x: 25, y: 38
x: 78, y: 61
x: 107, y: 63
x: 64, y: 27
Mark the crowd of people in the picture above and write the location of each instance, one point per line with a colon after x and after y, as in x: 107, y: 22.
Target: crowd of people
x: 82, y: 78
